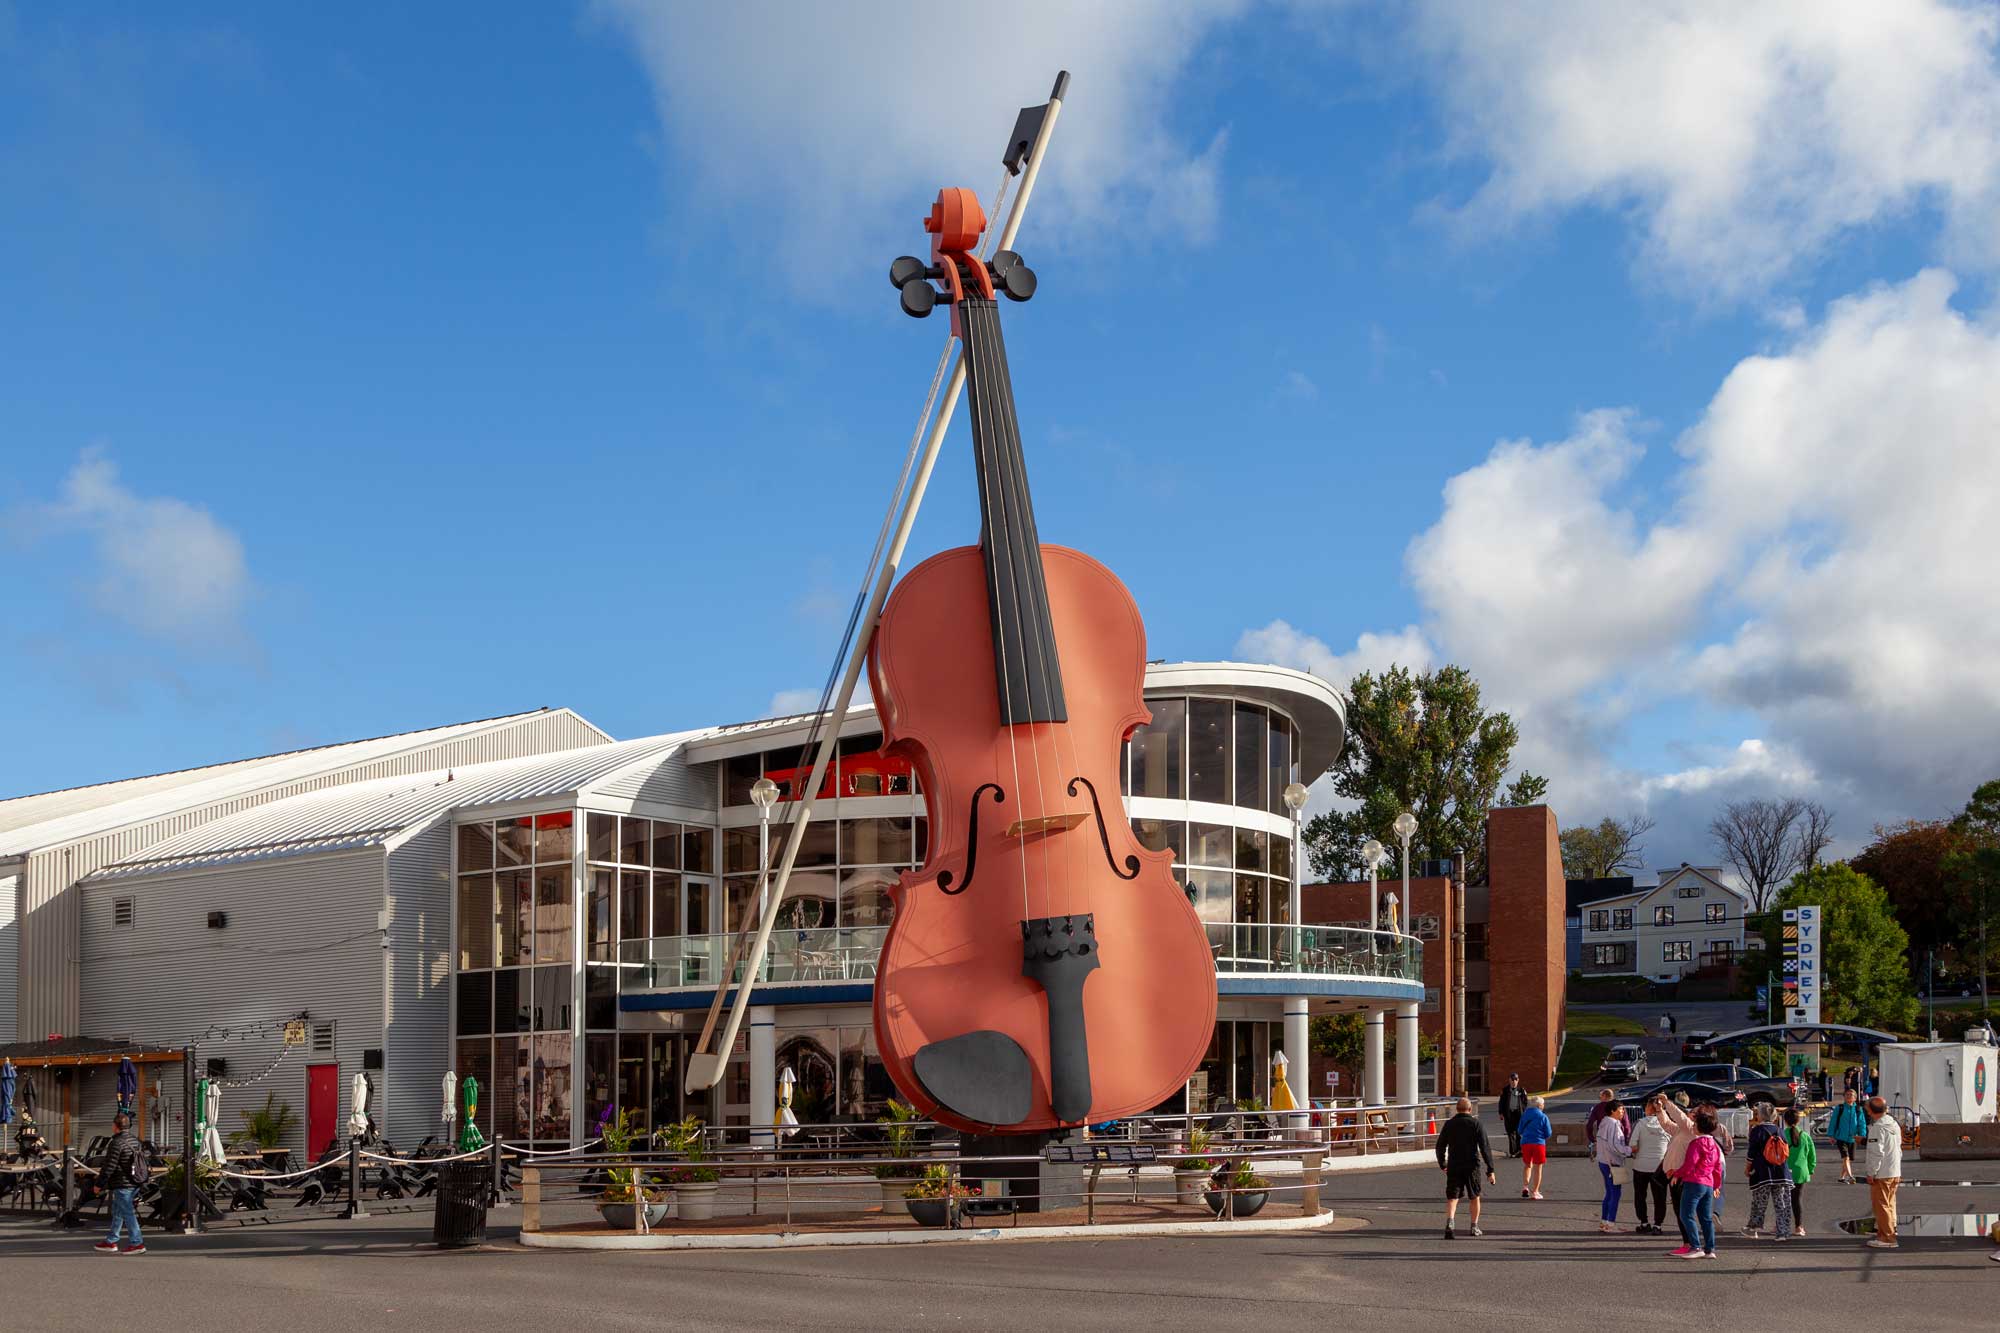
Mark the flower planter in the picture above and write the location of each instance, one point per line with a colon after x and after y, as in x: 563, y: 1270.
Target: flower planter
x: 695, y: 1200
x: 1189, y: 1186
x: 929, y: 1212
x: 1248, y: 1202
x: 619, y: 1215
x: 892, y: 1194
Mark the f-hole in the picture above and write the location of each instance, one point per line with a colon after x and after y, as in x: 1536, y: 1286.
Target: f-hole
x: 1131, y: 870
x: 972, y: 841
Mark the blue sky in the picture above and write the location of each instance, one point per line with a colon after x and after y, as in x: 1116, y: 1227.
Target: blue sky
x: 371, y: 369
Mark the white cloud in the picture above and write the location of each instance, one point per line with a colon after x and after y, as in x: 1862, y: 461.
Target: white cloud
x: 163, y: 565
x: 787, y: 702
x: 1741, y: 138
x: 1282, y: 645
x: 1298, y: 385
x: 828, y: 128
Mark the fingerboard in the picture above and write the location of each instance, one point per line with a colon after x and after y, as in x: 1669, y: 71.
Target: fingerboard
x: 1024, y: 640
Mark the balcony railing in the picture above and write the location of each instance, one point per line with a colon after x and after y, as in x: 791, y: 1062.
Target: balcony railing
x: 849, y: 953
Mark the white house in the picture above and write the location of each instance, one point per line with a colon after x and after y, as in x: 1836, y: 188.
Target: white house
x: 1689, y: 920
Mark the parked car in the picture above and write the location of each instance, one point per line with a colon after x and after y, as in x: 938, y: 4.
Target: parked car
x: 1636, y: 1098
x: 1755, y: 1085
x: 1694, y: 1045
x: 1624, y: 1063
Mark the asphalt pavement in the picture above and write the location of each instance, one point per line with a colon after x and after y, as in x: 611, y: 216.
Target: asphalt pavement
x: 1540, y: 1265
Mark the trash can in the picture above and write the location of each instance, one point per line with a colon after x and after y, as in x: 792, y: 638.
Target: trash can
x: 461, y: 1204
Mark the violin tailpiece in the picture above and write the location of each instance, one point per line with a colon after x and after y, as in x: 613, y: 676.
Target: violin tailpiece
x: 1059, y: 953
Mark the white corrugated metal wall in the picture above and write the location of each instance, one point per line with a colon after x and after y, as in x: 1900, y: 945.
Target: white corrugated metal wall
x: 673, y: 781
x: 49, y: 925
x: 418, y: 1039
x: 10, y: 952
x: 302, y: 935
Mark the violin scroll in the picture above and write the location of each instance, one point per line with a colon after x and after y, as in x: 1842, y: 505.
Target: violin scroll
x: 956, y: 223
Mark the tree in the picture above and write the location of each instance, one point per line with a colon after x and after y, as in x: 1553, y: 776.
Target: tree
x: 1418, y: 742
x: 1864, y: 963
x: 1814, y: 833
x: 1761, y: 840
x: 1343, y: 1040
x: 1975, y: 871
x: 1528, y: 789
x: 1604, y: 849
x: 1909, y: 860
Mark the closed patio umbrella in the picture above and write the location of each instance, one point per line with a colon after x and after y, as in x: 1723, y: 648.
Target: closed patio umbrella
x: 469, y: 1137
x: 29, y: 1101
x: 7, y: 1077
x: 357, y: 1119
x: 128, y: 1083
x: 788, y: 1122
x: 450, y: 1102
x: 1281, y: 1091
x: 211, y: 1111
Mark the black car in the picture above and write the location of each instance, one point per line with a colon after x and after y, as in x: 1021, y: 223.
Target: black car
x: 1636, y: 1098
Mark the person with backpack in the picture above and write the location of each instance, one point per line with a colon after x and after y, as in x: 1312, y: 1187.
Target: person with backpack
x: 1770, y: 1173
x: 1805, y: 1160
x: 125, y: 1169
x: 1848, y: 1128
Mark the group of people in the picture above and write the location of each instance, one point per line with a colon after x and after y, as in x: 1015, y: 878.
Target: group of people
x: 1674, y: 1157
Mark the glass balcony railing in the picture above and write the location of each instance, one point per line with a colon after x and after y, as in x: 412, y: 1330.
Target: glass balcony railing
x: 848, y: 953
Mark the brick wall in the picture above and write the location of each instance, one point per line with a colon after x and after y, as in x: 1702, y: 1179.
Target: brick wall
x: 1524, y: 943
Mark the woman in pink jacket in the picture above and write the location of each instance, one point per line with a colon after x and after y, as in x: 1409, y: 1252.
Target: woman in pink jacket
x: 1680, y: 1133
x: 1699, y: 1174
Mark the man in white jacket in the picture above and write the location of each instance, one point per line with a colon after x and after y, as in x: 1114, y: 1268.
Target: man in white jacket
x: 1884, y: 1169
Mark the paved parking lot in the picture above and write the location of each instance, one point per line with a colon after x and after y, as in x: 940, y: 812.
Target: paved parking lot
x: 1540, y: 1266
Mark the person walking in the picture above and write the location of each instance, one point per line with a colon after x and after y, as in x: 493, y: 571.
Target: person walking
x: 1770, y: 1173
x: 1848, y: 1128
x: 1462, y: 1151
x: 1681, y: 1134
x: 1614, y: 1152
x: 1535, y: 1131
x: 1804, y: 1161
x: 1650, y: 1138
x: 1699, y: 1173
x: 1884, y: 1167
x: 1513, y: 1101
x: 123, y: 1171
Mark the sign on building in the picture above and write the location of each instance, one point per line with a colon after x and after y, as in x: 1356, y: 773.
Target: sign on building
x: 1804, y: 954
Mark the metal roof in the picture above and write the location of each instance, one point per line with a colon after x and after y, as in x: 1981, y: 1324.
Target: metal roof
x: 53, y: 818
x: 381, y: 811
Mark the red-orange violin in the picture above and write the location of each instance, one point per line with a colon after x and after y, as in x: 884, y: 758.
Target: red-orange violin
x: 1043, y: 969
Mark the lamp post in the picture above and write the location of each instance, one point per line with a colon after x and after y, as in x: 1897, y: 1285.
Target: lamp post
x: 763, y: 1051
x: 1372, y: 855
x: 1295, y: 801
x: 1406, y: 828
x: 764, y: 795
x: 1298, y: 1022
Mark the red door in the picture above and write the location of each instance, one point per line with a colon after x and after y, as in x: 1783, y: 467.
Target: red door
x: 322, y: 1108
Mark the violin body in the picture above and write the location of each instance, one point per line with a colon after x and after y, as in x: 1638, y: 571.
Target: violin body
x: 952, y: 963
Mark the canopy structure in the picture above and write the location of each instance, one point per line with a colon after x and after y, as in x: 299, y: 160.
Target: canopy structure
x: 1803, y: 1033
x: 66, y: 1053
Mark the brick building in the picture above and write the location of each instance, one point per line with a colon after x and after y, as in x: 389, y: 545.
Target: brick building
x: 1505, y: 969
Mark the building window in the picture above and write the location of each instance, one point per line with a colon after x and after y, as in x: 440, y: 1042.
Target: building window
x: 1159, y: 752
x: 1600, y: 920
x: 1428, y: 927
x: 1621, y: 918
x: 1677, y: 951
x: 1690, y: 891
x: 1609, y: 955
x: 1722, y: 951
x: 121, y: 911
x: 1475, y: 941
x: 1431, y: 1002
x: 1475, y: 1009
x: 1663, y: 916
x: 1475, y: 1073
x: 1715, y: 913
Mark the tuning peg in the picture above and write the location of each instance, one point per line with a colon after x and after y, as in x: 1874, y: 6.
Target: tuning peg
x: 1016, y: 279
x: 918, y: 297
x: 909, y: 266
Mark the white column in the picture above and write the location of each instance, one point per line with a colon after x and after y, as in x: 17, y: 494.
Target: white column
x: 1371, y: 1061
x: 1298, y: 1041
x: 763, y: 1056
x: 1406, y: 1047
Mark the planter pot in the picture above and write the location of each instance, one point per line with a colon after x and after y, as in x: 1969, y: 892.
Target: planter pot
x: 1189, y: 1186
x: 1248, y: 1202
x: 929, y: 1212
x: 695, y: 1201
x: 892, y: 1195
x: 619, y: 1215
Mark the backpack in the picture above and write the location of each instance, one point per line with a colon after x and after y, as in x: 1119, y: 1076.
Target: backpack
x: 1776, y: 1151
x: 140, y: 1169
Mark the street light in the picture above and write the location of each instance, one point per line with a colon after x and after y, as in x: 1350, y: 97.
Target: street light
x: 764, y: 795
x: 1406, y: 827
x: 1295, y: 801
x: 1372, y: 854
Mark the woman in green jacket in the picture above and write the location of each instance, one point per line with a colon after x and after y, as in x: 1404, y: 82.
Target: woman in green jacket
x: 1803, y: 1162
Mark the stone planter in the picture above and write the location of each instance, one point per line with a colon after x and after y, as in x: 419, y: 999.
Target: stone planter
x: 892, y: 1193
x: 1248, y: 1202
x: 929, y: 1212
x: 1189, y: 1186
x: 619, y: 1215
x: 695, y: 1200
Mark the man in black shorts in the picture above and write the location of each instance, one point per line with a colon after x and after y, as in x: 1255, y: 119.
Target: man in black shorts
x: 1462, y: 1155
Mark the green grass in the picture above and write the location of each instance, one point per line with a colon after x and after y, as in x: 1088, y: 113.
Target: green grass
x: 1580, y: 1059
x: 1583, y: 1023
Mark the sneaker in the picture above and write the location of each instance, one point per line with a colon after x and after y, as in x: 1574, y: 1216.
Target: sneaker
x: 1995, y: 1256
x: 1708, y: 1254
x: 1882, y: 1245
x: 1524, y: 1194
x: 1781, y: 1238
x: 1449, y: 1234
x: 1684, y: 1252
x: 1798, y: 1231
x: 106, y: 1246
x: 1750, y: 1233
x: 134, y: 1249
x: 1477, y: 1232
x: 1537, y: 1194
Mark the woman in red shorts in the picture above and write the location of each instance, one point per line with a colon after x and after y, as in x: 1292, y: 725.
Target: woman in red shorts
x: 1534, y: 1148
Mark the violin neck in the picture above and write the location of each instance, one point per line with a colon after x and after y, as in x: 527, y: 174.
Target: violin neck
x: 1024, y: 639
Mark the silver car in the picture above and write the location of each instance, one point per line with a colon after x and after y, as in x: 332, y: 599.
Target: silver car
x: 1625, y: 1064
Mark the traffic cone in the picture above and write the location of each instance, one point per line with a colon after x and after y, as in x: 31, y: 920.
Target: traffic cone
x: 1431, y: 1121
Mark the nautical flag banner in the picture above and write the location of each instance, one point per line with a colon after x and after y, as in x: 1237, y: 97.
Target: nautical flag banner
x: 1804, y: 951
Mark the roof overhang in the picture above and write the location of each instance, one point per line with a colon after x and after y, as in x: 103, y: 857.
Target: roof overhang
x: 1315, y: 705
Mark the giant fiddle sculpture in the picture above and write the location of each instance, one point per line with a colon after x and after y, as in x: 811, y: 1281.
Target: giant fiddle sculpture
x: 1043, y: 969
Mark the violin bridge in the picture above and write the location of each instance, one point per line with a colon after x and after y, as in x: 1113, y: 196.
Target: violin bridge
x: 1028, y: 828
